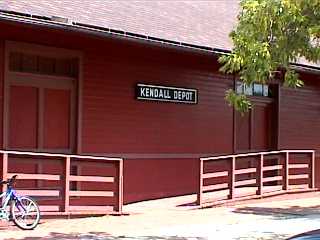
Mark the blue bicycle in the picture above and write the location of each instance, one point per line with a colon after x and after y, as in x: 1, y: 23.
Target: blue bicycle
x: 22, y: 210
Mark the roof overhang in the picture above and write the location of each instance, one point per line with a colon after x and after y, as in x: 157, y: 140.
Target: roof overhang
x: 6, y: 16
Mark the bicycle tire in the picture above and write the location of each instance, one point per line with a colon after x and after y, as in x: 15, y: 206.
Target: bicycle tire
x: 15, y: 210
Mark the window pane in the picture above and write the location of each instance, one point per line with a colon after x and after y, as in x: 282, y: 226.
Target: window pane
x: 265, y: 90
x: 257, y: 89
x: 248, y: 90
x: 15, y: 60
x: 46, y: 65
x: 29, y: 63
x: 239, y: 87
x: 63, y: 67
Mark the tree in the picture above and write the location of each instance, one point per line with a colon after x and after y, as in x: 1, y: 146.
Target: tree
x: 270, y: 35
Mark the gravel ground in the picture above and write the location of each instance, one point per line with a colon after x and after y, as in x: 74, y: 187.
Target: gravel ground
x: 274, y: 218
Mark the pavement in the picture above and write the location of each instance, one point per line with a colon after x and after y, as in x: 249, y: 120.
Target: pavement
x: 179, y: 219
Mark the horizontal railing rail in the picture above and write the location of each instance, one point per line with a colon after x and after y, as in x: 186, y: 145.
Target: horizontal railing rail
x: 65, y: 200
x: 256, y: 154
x: 231, y: 177
x: 44, y: 154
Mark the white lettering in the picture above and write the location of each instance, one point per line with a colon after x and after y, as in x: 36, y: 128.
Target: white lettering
x: 167, y: 94
x: 190, y: 96
x: 160, y: 93
x: 142, y: 92
x: 183, y: 95
x: 175, y: 94
x: 151, y: 92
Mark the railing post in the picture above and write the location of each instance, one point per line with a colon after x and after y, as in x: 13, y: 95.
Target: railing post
x: 260, y: 175
x: 4, y: 170
x: 66, y: 188
x: 200, y: 185
x: 232, y: 177
x: 120, y: 188
x: 285, y: 175
x: 312, y: 171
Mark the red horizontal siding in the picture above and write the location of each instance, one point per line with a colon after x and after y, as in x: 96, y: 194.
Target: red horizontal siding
x: 299, y: 115
x: 299, y: 118
x: 114, y: 121
x: 156, y: 178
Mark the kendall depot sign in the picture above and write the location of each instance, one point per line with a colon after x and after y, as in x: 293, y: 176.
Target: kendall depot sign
x: 166, y: 94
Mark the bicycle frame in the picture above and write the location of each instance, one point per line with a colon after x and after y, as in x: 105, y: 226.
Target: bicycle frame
x: 17, y: 208
x: 7, y: 196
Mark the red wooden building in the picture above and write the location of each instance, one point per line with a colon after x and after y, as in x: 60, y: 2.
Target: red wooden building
x: 70, y: 83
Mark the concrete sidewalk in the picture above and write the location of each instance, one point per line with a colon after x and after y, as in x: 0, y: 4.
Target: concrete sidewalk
x: 177, y: 218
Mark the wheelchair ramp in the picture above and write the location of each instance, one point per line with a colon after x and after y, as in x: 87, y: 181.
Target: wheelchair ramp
x: 230, y: 178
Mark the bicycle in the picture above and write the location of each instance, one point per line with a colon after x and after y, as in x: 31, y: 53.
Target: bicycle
x: 22, y: 210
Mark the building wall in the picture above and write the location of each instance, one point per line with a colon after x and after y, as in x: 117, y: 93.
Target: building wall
x: 156, y: 178
x: 1, y: 88
x: 161, y: 142
x: 299, y: 118
x: 299, y: 115
x: 115, y: 122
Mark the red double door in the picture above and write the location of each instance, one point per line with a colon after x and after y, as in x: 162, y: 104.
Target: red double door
x: 40, y: 97
x: 257, y: 129
x: 41, y: 115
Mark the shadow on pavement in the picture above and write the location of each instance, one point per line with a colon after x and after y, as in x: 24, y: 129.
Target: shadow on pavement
x: 102, y: 236
x: 188, y: 204
x: 281, y: 213
x: 315, y: 234
x: 273, y: 236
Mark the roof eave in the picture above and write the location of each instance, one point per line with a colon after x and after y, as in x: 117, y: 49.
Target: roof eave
x: 107, y: 32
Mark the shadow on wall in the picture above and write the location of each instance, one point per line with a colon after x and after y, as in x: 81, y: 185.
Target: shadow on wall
x: 282, y: 213
x: 104, y: 236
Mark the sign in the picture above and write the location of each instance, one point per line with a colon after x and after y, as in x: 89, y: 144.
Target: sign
x: 167, y: 94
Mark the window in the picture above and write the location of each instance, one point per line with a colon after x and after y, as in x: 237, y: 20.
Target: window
x: 255, y: 89
x: 30, y: 63
x: 247, y: 90
x: 258, y: 89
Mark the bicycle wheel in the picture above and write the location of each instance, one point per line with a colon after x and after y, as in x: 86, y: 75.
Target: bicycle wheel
x: 25, y: 213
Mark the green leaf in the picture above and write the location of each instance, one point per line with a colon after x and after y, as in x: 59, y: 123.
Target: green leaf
x: 270, y: 35
x: 239, y: 101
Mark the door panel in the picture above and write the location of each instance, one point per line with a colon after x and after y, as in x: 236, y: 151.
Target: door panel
x: 40, y: 104
x: 40, y: 119
x: 261, y: 132
x: 57, y: 113
x: 23, y: 115
x: 243, y: 132
x: 255, y: 130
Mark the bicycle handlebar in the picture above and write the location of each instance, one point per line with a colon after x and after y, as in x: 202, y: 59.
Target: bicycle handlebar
x: 10, y: 181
